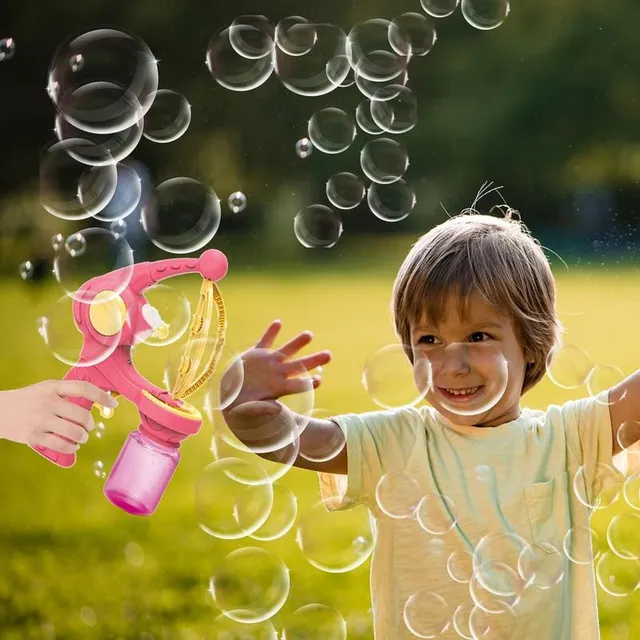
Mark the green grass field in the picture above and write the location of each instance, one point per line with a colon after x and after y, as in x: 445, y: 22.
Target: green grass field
x: 74, y: 566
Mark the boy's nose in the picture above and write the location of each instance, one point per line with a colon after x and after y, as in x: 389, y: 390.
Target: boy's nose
x: 455, y: 360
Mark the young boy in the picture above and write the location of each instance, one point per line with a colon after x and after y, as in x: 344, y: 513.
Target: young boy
x: 481, y: 507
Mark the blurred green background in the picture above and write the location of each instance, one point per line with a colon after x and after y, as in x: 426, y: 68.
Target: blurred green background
x: 546, y: 105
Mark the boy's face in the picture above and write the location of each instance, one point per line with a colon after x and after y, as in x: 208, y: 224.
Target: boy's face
x: 473, y: 368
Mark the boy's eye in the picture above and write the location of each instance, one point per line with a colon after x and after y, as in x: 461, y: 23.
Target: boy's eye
x: 479, y: 336
x: 427, y: 339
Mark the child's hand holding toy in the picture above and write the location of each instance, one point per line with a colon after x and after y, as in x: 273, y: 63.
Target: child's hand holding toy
x: 41, y: 415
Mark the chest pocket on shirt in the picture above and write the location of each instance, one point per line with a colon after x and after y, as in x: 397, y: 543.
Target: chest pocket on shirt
x: 548, y: 512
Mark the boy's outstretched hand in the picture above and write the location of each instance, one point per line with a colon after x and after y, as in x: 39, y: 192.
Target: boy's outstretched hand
x: 40, y: 415
x: 270, y: 374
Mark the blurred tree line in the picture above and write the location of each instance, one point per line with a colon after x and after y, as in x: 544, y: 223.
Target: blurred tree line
x: 546, y: 105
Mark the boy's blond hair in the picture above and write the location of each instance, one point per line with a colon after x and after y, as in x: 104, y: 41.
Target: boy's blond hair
x: 495, y: 257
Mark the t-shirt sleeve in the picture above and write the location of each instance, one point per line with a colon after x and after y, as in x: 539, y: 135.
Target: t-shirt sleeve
x: 377, y: 442
x: 588, y: 427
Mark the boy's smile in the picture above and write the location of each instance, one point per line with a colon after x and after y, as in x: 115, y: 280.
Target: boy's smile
x: 474, y: 363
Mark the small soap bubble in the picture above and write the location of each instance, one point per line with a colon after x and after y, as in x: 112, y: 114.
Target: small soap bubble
x: 26, y: 270
x: 75, y: 245
x: 436, y: 514
x: 88, y: 616
x: 118, y: 228
x: 427, y: 614
x: 616, y: 576
x: 57, y: 242
x: 601, y: 378
x: 485, y: 14
x: 317, y: 226
x: 622, y: 535
x: 7, y: 49
x: 250, y: 585
x: 364, y: 119
x: 98, y: 469
x: 419, y: 28
x: 439, y: 8
x: 391, y: 202
x: 398, y: 495
x: 237, y: 202
x: 304, y: 148
x: 384, y: 160
x: 100, y: 430
x: 76, y: 62
x: 345, y: 190
x: 168, y: 118
x: 568, y: 366
x: 582, y: 545
x: 331, y: 130
x: 315, y: 622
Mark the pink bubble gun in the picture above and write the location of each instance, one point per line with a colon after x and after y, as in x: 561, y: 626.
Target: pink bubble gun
x: 112, y: 318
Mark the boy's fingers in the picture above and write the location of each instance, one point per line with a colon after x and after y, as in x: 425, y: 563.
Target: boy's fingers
x: 82, y: 389
x: 294, y: 367
x: 293, y: 346
x: 269, y: 335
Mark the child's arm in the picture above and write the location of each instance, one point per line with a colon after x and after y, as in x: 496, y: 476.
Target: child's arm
x: 624, y: 410
x: 265, y: 425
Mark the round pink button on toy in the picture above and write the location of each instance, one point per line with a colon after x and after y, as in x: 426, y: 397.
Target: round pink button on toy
x: 213, y: 265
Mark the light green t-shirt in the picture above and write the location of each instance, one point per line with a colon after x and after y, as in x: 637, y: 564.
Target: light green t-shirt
x: 480, y: 532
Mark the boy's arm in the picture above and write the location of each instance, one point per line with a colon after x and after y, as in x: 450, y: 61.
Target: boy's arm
x: 624, y: 410
x: 257, y: 424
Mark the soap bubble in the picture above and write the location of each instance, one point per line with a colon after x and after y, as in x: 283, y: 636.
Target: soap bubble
x: 436, y: 514
x: 224, y: 628
x: 331, y: 130
x: 336, y: 541
x: 542, y: 565
x: 392, y: 381
x: 7, y: 49
x: 398, y: 495
x: 168, y: 118
x: 232, y: 70
x: 419, y: 29
x: 317, y: 226
x: 183, y: 216
x: 112, y: 90
x: 628, y: 437
x: 345, y: 190
x: 483, y: 624
x: 90, y: 253
x: 26, y: 270
x: 134, y: 554
x: 378, y: 50
x: 315, y: 622
x: 427, y: 614
x: 622, y: 535
x: 127, y: 195
x: 229, y: 509
x: 71, y: 190
x: 364, y: 119
x: 57, y: 242
x: 295, y: 36
x: 118, y: 228
x: 616, y: 576
x: 391, y: 202
x: 485, y: 14
x: 394, y: 108
x: 98, y: 470
x: 281, y: 517
x: 252, y: 36
x: 304, y: 148
x: 384, y: 160
x: 597, y: 486
x: 327, y: 445
x: 460, y: 566
x: 100, y: 149
x: 568, y: 366
x: 631, y: 491
x: 225, y: 445
x: 491, y: 391
x: 250, y: 585
x: 439, y: 8
x: 318, y: 70
x: 58, y: 330
x: 601, y: 378
x: 582, y: 545
x: 368, y: 88
x: 495, y: 564
x: 173, y: 308
x: 237, y: 202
